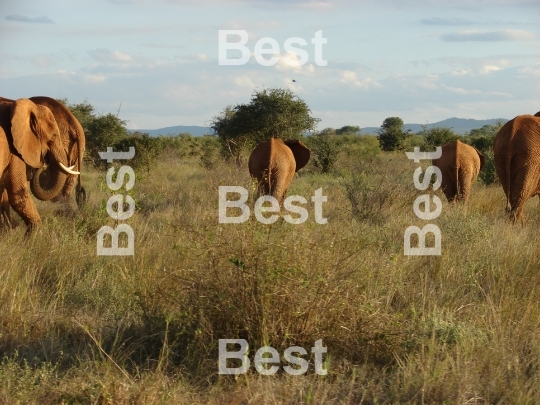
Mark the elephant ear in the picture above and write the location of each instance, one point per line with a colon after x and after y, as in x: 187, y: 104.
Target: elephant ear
x: 25, y: 130
x: 481, y: 156
x: 300, y: 151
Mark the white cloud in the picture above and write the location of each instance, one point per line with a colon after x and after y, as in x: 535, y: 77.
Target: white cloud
x: 429, y: 82
x: 94, y: 79
x: 244, y: 81
x: 350, y: 77
x: 106, y: 55
x: 461, y: 72
x: 531, y: 70
x: 489, y: 36
x: 488, y: 69
x: 460, y: 90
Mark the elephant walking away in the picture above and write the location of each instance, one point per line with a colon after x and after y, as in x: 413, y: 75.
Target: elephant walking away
x: 517, y: 161
x: 459, y: 164
x: 274, y: 162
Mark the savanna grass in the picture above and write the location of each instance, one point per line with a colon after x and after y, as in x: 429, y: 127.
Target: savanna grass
x: 459, y: 328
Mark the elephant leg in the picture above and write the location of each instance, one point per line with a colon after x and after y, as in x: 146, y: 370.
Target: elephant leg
x: 522, y: 188
x: 5, y: 209
x: 264, y: 183
x: 19, y: 195
x: 464, y: 181
x: 66, y: 191
x: 501, y: 174
x: 448, y: 186
x: 63, y: 197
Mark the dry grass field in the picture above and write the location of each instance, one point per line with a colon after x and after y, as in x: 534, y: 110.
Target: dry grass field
x: 460, y: 328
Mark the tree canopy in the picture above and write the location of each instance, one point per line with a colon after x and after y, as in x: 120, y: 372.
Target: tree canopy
x: 271, y: 113
x: 436, y: 136
x: 391, y: 135
x: 482, y: 139
x: 348, y: 130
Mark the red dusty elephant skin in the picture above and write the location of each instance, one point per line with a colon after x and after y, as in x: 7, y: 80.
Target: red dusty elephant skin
x: 517, y: 162
x: 460, y: 164
x: 28, y: 132
x: 274, y: 162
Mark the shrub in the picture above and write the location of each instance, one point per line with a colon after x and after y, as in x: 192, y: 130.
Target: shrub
x: 391, y: 135
x: 436, y: 136
x: 147, y: 149
x: 209, y: 151
x: 325, y: 151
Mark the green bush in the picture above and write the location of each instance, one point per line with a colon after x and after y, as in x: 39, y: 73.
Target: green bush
x: 210, y: 151
x: 482, y: 139
x: 325, y: 151
x: 391, y: 135
x: 147, y: 149
x: 436, y: 136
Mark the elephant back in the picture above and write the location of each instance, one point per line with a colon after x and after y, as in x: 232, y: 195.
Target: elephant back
x: 259, y: 160
x: 300, y: 152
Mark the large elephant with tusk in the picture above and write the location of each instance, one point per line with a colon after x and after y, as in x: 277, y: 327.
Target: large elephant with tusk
x: 28, y: 134
x: 49, y: 182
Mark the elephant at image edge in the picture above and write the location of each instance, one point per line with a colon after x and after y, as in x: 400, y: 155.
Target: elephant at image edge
x: 517, y: 161
x: 28, y: 132
x: 49, y: 182
x: 274, y: 162
x: 459, y: 164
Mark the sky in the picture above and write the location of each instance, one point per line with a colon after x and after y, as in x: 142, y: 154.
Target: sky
x: 156, y: 63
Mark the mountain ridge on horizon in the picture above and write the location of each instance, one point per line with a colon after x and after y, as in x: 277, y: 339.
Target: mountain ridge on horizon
x: 458, y: 125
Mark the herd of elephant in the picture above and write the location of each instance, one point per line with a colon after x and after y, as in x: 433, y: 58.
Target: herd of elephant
x: 516, y: 150
x: 516, y: 154
x: 42, y: 145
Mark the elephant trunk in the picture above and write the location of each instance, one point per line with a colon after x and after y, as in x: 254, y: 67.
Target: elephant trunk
x: 48, y: 181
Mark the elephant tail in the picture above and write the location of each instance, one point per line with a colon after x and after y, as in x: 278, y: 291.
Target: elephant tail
x: 508, y: 163
x: 80, y: 195
x: 458, y: 182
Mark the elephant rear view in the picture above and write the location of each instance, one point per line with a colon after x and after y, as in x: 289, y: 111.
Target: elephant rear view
x: 274, y: 162
x: 517, y: 161
x: 459, y: 164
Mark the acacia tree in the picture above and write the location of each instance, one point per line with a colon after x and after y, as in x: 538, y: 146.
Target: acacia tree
x: 437, y: 136
x: 391, y: 135
x: 348, y: 130
x: 271, y: 113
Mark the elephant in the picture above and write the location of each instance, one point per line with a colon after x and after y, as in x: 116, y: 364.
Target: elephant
x: 459, y: 164
x: 274, y: 162
x: 28, y: 133
x: 49, y: 182
x: 517, y: 162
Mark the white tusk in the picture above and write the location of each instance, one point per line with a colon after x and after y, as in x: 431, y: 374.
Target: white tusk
x: 68, y: 170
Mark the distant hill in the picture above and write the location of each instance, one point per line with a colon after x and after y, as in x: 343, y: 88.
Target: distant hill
x: 179, y: 129
x: 458, y: 125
